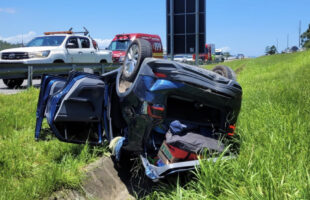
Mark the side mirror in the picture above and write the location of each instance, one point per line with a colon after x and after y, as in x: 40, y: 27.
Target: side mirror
x: 106, y: 48
x: 70, y: 45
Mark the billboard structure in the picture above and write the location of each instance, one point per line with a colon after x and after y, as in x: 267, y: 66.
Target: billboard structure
x: 186, y: 26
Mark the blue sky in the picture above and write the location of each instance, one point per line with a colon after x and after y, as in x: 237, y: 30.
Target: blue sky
x: 240, y: 26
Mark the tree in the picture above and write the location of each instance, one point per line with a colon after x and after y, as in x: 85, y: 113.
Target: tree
x: 271, y: 50
x: 305, y: 38
x: 6, y: 45
x: 294, y: 49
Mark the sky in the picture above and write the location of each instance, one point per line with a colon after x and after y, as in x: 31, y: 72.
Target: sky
x: 237, y: 26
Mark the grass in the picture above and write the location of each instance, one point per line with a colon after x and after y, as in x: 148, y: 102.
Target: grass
x: 274, y: 160
x: 29, y: 169
x: 274, y: 126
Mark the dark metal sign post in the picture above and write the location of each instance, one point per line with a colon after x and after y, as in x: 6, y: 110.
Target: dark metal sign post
x: 171, y: 29
x: 186, y: 27
x: 197, y: 33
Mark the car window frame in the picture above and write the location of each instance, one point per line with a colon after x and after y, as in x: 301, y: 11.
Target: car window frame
x: 79, y: 45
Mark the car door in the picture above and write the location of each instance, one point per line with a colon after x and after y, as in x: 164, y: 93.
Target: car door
x: 88, y: 53
x: 78, y: 111
x: 73, y: 49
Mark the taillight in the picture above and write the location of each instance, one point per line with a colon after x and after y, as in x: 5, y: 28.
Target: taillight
x: 160, y: 75
x: 156, y: 111
x: 231, y: 131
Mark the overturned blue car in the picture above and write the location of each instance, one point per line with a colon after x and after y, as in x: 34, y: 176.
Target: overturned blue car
x: 168, y: 113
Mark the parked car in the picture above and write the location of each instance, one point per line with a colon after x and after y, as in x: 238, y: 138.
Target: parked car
x: 121, y: 42
x: 55, y: 47
x: 142, y: 107
x: 240, y: 56
x: 184, y: 58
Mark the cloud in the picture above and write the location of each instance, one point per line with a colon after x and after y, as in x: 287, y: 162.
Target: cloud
x: 102, y: 43
x: 225, y: 49
x: 19, y: 38
x: 8, y: 10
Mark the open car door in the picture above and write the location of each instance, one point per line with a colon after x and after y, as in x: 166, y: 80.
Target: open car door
x: 75, y: 108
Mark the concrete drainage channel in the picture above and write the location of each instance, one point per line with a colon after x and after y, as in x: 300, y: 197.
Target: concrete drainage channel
x: 102, y: 182
x: 107, y: 181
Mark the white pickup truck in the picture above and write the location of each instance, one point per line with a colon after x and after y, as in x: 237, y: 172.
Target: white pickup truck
x: 55, y: 48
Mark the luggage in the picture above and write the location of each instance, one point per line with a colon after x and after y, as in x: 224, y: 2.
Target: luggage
x: 171, y: 154
x: 180, y: 136
x: 183, y: 145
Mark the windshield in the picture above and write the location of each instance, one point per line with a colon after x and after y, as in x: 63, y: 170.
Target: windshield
x: 218, y: 53
x: 119, y: 45
x: 46, y: 41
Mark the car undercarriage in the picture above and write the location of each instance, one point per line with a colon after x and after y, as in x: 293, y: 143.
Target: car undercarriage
x: 169, y: 114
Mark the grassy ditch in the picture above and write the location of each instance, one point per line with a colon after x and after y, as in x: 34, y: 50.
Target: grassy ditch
x: 274, y: 125
x: 29, y: 169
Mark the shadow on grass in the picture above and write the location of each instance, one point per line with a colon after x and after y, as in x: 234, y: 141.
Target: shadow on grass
x: 75, y: 149
x: 46, y: 135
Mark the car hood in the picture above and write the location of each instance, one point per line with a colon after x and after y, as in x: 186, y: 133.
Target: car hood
x: 28, y: 49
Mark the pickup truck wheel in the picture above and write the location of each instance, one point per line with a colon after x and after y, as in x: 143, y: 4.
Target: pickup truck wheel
x: 225, y: 71
x: 13, y: 83
x: 59, y: 61
x: 137, y: 51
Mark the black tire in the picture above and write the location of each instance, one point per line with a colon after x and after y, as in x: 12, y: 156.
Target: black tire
x: 58, y: 61
x: 225, y: 71
x: 13, y: 83
x: 137, y: 51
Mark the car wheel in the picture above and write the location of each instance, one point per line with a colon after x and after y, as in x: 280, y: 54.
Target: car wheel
x: 13, y: 83
x: 225, y: 71
x: 137, y: 51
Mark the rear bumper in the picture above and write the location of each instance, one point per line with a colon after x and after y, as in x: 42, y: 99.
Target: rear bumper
x: 155, y: 173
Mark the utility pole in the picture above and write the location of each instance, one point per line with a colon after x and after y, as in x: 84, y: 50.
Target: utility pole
x: 288, y: 38
x: 299, y: 35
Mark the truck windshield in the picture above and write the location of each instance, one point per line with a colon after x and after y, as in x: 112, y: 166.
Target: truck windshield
x: 119, y: 45
x: 46, y: 41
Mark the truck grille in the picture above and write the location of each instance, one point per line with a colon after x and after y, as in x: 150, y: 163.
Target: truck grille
x: 15, y: 56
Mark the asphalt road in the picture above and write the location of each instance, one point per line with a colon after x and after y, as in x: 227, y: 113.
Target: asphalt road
x: 5, y: 90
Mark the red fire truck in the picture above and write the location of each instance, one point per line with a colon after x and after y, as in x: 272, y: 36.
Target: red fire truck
x: 209, y: 50
x: 121, y: 42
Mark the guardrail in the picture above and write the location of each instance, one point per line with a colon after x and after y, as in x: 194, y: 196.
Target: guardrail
x: 30, y: 71
x: 202, y: 63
